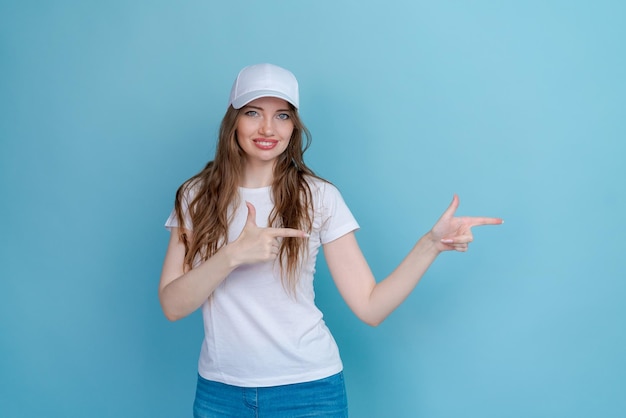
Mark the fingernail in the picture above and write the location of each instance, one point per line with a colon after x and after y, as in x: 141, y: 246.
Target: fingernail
x: 447, y: 241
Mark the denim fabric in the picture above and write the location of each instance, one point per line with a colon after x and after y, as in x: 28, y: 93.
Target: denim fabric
x: 319, y: 398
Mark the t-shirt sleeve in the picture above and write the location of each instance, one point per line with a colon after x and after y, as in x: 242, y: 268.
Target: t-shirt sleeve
x: 337, y: 220
x: 172, y: 220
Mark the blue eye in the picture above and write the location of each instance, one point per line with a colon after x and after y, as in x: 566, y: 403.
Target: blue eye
x: 283, y: 116
x: 251, y: 113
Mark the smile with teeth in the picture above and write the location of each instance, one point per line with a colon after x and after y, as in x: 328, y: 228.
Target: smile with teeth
x: 265, y: 143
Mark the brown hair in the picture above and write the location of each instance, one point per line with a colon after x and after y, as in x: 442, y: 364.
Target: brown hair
x: 214, y: 190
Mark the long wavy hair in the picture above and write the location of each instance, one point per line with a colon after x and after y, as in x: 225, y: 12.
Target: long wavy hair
x: 215, y: 189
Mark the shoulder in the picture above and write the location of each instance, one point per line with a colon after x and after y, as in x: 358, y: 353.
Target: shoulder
x: 192, y: 186
x: 323, y: 193
x: 189, y: 190
x: 318, y: 184
x: 320, y: 188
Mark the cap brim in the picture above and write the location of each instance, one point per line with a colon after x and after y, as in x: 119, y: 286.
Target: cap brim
x: 244, y: 99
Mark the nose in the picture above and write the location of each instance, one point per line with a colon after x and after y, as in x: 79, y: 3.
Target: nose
x: 267, y: 127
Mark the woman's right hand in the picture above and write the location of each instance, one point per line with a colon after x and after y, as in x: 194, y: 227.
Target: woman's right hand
x: 255, y: 244
x: 183, y: 292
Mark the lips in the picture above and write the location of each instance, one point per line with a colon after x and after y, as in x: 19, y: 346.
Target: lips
x: 265, y: 144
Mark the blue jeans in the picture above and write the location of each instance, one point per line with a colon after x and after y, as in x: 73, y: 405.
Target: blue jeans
x: 319, y: 398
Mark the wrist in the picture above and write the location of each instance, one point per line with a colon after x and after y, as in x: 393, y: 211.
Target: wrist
x: 431, y: 243
x: 229, y: 253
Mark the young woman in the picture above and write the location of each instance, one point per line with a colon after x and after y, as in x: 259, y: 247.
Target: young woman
x: 245, y: 233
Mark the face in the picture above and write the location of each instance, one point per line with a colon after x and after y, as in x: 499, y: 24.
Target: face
x: 264, y: 128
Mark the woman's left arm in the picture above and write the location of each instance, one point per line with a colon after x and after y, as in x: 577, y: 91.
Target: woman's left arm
x: 372, y: 302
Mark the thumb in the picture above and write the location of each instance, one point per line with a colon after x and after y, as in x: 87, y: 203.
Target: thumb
x: 251, y: 220
x: 452, y: 208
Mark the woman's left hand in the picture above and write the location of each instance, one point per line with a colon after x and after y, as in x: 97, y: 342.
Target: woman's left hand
x: 452, y: 233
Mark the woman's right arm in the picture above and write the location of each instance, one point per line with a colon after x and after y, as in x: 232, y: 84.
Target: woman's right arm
x: 182, y: 292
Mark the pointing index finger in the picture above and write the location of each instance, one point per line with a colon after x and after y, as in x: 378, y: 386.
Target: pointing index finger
x: 478, y: 221
x: 288, y: 232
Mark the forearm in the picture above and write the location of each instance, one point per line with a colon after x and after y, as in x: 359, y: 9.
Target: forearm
x: 372, y: 302
x: 186, y: 293
x: 388, y: 294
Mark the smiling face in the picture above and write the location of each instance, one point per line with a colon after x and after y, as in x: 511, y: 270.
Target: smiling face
x: 264, y: 129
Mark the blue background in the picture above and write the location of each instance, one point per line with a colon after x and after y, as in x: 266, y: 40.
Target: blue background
x: 106, y: 107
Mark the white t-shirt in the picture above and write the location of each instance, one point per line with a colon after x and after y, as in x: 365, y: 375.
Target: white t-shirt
x: 256, y: 332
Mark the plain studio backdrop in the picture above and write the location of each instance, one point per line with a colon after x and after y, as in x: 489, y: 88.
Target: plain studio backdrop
x: 106, y: 107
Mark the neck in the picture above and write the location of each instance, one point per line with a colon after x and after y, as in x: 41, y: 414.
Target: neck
x: 256, y: 175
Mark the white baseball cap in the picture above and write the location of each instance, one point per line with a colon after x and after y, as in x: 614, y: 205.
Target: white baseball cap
x: 264, y: 80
